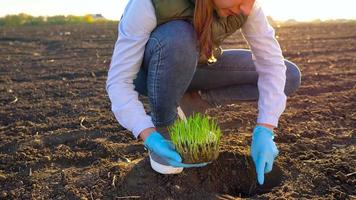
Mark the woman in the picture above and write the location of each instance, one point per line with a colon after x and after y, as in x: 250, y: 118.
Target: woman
x: 169, y: 51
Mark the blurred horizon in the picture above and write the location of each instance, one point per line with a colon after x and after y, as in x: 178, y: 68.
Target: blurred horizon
x: 280, y: 10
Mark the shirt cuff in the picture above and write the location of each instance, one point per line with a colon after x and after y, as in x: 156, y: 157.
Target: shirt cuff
x: 268, y: 119
x: 142, y: 125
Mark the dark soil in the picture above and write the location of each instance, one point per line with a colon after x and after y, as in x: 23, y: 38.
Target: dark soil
x: 59, y: 139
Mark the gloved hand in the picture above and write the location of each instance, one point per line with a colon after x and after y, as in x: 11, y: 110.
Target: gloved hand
x: 165, y: 149
x: 263, y: 151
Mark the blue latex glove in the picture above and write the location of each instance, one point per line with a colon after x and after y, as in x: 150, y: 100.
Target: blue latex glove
x: 263, y: 151
x: 165, y: 149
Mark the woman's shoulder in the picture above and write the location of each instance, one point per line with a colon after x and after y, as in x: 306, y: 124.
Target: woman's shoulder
x: 140, y: 7
x: 138, y: 17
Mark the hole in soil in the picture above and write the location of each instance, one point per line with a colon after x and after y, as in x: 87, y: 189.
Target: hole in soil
x: 232, y: 174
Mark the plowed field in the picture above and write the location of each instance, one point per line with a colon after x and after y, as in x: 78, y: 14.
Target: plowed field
x: 60, y: 140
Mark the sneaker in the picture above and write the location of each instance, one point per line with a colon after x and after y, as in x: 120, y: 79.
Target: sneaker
x: 193, y: 102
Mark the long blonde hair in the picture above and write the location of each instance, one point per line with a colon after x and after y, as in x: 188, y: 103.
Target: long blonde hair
x: 203, y: 19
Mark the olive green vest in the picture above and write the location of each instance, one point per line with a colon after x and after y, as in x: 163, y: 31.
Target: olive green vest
x: 167, y: 10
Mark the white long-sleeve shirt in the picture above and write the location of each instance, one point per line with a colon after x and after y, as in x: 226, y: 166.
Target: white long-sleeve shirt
x: 135, y: 27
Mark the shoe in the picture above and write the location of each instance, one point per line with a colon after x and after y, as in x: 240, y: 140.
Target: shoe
x: 157, y: 163
x: 192, y: 102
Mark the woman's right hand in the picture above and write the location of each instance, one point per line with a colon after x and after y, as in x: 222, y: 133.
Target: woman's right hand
x: 156, y: 143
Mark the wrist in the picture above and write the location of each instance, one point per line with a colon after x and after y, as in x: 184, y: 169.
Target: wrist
x: 269, y: 126
x: 262, y: 131
x: 146, y: 132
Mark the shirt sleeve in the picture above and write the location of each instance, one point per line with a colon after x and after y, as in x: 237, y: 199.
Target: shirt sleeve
x: 268, y: 59
x: 134, y: 30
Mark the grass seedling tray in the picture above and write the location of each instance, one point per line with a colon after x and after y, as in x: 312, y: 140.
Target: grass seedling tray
x: 197, y: 139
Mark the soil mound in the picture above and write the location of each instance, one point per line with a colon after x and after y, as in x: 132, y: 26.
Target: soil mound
x: 232, y: 174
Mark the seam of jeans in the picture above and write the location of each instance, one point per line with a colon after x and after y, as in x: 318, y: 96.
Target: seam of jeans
x: 155, y: 85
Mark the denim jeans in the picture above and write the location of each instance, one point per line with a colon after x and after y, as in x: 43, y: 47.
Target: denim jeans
x: 170, y: 68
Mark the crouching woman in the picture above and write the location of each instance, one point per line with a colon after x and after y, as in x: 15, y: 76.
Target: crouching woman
x: 169, y: 51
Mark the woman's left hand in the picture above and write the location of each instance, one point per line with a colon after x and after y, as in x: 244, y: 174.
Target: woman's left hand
x: 263, y: 151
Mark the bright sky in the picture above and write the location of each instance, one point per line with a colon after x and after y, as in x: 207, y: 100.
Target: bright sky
x: 301, y: 10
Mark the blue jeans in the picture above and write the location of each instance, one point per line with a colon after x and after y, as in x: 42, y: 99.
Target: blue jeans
x: 170, y: 68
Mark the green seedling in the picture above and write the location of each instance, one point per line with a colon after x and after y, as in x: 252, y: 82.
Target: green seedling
x: 197, y: 139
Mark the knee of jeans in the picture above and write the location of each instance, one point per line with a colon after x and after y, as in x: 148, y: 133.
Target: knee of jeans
x: 293, y: 78
x: 177, y: 37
